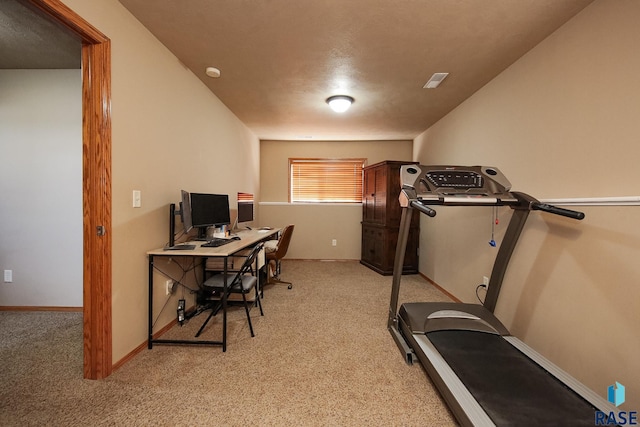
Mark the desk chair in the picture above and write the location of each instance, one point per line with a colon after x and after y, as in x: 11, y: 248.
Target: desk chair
x: 241, y: 282
x: 276, y: 254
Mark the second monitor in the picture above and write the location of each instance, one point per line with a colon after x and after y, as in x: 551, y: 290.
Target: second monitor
x: 245, y: 207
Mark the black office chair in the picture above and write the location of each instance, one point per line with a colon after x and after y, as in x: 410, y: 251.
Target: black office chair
x: 241, y: 282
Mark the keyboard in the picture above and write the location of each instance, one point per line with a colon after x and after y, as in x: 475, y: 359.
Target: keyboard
x: 215, y: 242
x: 181, y: 247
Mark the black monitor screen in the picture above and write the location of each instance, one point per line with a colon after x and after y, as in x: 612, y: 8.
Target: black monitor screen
x: 245, y: 207
x: 209, y: 210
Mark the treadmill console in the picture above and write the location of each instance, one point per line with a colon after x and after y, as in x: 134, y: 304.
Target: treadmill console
x: 454, y: 184
x: 454, y: 179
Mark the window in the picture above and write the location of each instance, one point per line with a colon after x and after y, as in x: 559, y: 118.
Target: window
x: 325, y: 180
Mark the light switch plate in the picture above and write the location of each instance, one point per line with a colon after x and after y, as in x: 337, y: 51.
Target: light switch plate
x: 137, y: 199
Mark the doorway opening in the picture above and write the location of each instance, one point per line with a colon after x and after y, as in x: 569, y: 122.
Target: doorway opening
x: 96, y: 186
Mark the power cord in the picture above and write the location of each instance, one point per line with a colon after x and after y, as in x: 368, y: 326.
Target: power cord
x: 182, y: 315
x: 482, y: 286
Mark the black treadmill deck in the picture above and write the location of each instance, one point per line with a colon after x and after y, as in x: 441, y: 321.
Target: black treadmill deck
x: 512, y: 390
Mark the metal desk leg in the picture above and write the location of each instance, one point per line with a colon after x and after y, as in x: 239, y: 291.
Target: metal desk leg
x: 150, y: 324
x: 224, y: 308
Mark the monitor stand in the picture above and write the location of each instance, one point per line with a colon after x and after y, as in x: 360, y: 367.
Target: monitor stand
x: 202, y: 234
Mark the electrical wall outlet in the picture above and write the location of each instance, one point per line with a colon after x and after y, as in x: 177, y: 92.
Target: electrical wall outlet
x: 334, y: 242
x: 485, y: 280
x: 8, y: 276
x: 168, y: 287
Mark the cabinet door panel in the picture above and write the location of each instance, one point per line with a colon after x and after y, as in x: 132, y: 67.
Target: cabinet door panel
x: 380, y: 199
x: 394, y: 211
x: 368, y: 202
x: 372, y: 246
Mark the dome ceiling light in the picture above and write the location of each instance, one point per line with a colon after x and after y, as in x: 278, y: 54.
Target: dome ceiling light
x: 340, y: 103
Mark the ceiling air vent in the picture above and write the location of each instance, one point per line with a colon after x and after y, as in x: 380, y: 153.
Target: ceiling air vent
x: 435, y: 80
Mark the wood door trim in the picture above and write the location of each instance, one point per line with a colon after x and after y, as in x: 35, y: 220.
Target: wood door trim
x: 96, y: 185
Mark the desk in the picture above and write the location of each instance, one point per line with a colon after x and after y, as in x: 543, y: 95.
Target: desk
x: 248, y: 238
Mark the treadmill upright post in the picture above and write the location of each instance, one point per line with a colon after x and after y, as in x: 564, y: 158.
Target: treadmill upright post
x: 398, y: 263
x: 392, y: 324
x: 516, y: 224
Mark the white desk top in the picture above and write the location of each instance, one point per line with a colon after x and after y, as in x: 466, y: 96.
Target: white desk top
x: 247, y: 238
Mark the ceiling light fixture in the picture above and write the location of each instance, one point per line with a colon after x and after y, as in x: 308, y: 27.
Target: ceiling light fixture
x: 212, y: 72
x: 340, y: 103
x: 435, y: 80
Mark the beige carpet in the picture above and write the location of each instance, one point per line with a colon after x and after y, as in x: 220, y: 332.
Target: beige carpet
x: 322, y: 356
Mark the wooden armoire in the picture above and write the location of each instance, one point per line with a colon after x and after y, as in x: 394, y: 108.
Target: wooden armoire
x: 381, y: 214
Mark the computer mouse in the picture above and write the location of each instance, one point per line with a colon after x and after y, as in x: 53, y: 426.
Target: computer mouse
x: 235, y: 238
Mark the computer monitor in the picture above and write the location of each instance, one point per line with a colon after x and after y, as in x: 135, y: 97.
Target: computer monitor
x: 185, y: 217
x: 185, y: 211
x: 245, y: 207
x: 209, y: 210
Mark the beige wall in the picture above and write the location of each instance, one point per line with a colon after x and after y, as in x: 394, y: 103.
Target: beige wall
x: 169, y: 133
x: 318, y: 224
x: 562, y: 122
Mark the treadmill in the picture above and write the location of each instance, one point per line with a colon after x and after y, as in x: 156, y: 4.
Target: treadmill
x: 486, y: 376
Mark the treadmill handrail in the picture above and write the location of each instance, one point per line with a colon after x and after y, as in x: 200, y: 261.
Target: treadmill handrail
x: 423, y: 208
x: 569, y: 213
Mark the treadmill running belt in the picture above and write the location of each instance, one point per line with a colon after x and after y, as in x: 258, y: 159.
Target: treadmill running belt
x: 512, y: 389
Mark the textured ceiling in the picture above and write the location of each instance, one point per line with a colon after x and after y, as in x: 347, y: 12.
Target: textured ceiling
x: 281, y: 59
x: 28, y: 40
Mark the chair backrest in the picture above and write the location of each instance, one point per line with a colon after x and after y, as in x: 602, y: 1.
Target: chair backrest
x: 283, y: 242
x: 247, y: 265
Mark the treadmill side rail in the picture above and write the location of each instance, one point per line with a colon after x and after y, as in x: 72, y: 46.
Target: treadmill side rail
x: 575, y: 385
